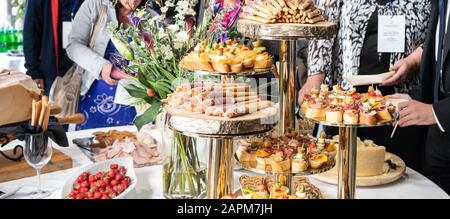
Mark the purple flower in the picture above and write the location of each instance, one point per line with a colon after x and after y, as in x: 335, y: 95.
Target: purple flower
x: 222, y: 37
x: 148, y: 40
x: 135, y: 21
x: 217, y: 7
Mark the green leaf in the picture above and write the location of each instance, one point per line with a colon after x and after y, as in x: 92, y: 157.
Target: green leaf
x: 143, y: 80
x: 123, y: 49
x: 136, y: 91
x: 149, y: 116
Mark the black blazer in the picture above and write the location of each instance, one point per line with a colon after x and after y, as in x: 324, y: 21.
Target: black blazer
x: 442, y: 108
x: 38, y: 45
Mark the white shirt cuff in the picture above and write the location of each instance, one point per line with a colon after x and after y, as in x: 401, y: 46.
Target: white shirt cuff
x: 437, y: 121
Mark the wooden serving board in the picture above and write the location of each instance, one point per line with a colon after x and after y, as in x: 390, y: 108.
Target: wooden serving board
x: 12, y: 170
x: 391, y: 176
x: 321, y: 30
x: 191, y: 123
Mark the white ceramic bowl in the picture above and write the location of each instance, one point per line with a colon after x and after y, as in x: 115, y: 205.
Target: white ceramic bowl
x: 126, y: 162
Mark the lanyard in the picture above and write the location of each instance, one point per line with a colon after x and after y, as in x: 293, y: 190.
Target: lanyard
x: 73, y: 7
x: 55, y: 22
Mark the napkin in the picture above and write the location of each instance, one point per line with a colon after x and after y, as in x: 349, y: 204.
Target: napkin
x: 358, y: 80
x: 19, y: 130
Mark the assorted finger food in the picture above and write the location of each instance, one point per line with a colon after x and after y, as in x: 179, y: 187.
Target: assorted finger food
x: 291, y: 153
x: 105, y: 139
x: 227, y: 100
x: 281, y: 11
x: 115, y: 144
x: 349, y: 107
x: 258, y: 187
x: 101, y: 185
x: 227, y: 57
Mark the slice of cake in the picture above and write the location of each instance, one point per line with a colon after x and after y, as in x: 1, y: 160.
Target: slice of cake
x: 17, y: 90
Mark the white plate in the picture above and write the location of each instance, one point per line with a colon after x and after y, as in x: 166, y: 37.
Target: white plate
x: 357, y: 80
x: 126, y: 162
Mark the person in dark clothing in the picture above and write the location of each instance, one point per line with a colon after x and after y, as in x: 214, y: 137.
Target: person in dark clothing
x: 41, y: 61
x: 433, y: 110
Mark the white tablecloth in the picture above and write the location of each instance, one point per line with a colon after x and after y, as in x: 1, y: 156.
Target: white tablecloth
x: 12, y: 63
x: 412, y: 186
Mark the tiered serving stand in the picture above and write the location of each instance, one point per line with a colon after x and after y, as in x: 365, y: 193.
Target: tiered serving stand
x: 220, y: 134
x: 347, y: 154
x: 287, y: 35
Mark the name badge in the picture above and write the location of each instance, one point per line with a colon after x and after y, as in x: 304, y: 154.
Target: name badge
x: 67, y: 28
x: 391, y: 33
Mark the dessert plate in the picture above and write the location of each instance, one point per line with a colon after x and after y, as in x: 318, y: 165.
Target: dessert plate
x: 392, y: 173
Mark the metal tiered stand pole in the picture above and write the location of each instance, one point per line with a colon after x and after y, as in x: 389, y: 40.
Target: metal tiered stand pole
x: 347, y: 162
x: 287, y: 89
x: 220, y: 168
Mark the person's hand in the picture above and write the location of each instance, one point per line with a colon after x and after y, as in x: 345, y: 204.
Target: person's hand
x: 40, y: 83
x: 416, y: 113
x: 117, y: 74
x: 312, y: 82
x: 403, y: 68
x: 106, y: 74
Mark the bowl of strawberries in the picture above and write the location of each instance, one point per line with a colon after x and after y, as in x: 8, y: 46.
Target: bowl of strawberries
x: 109, y: 179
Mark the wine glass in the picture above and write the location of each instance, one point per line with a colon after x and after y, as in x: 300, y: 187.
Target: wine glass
x: 37, y: 153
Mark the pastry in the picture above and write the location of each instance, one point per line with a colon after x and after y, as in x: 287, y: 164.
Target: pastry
x: 334, y: 114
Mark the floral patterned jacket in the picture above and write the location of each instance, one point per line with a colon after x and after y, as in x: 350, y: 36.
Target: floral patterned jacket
x: 341, y: 56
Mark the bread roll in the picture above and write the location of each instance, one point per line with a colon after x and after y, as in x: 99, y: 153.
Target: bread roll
x: 369, y: 119
x: 334, y: 116
x: 351, y: 118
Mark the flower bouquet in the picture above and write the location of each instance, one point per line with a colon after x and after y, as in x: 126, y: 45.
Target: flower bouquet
x: 150, y: 50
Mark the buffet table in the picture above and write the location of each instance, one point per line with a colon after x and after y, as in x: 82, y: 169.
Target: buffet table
x: 412, y: 185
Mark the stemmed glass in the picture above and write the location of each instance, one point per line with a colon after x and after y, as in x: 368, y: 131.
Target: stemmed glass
x: 37, y: 153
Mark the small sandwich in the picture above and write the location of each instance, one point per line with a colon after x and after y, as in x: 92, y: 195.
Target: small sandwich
x: 279, y: 162
x: 383, y: 114
x: 236, y: 68
x: 368, y: 118
x: 220, y: 63
x: 307, y: 100
x: 334, y: 114
x: 263, y: 61
x: 262, y: 158
x: 246, y: 152
x: 351, y: 116
x: 249, y: 63
x: 317, y: 160
x: 196, y: 61
x: 299, y: 162
x: 315, y: 111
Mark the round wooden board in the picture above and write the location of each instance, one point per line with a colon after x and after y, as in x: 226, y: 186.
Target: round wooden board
x: 395, y: 117
x: 245, y: 73
x: 200, y: 124
x: 391, y: 176
x: 290, y: 31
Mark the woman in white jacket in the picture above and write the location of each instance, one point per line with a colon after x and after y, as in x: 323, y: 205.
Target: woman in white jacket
x: 98, y: 86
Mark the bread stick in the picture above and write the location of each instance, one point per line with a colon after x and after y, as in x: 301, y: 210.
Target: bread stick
x: 316, y: 19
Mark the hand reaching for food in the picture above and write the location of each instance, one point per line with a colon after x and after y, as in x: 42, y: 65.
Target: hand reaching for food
x: 313, y: 82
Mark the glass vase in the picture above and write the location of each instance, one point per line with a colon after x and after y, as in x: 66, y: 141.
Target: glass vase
x: 184, y: 176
